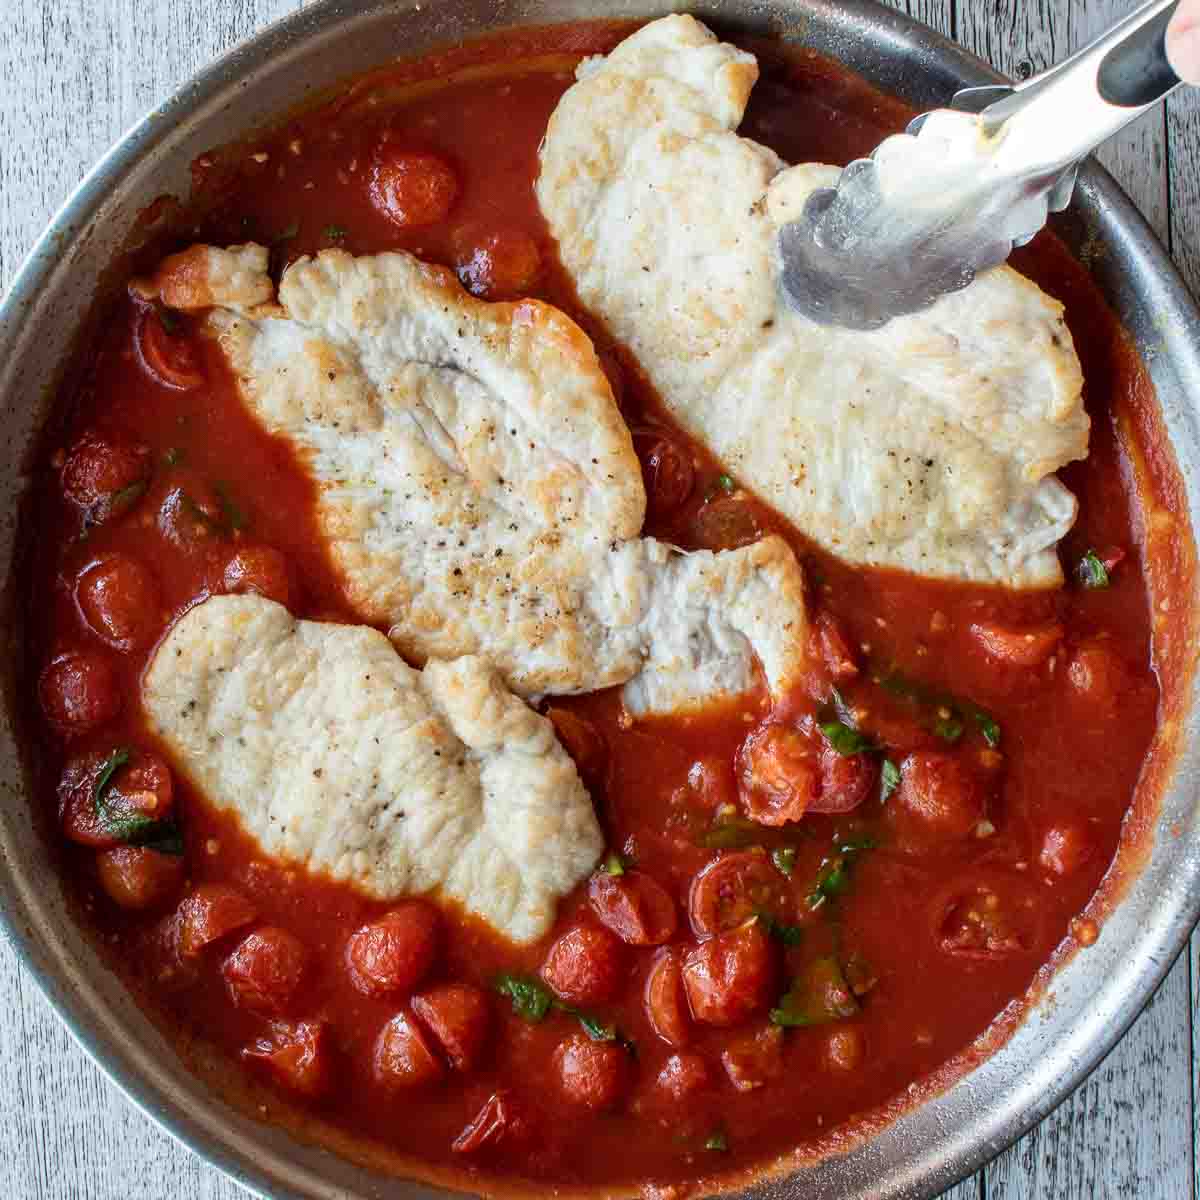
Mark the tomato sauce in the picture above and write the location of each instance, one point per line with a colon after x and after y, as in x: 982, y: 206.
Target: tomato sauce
x: 1007, y: 731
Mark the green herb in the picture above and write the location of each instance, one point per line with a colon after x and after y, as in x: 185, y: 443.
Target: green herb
x: 531, y: 999
x: 173, y: 457
x: 614, y: 864
x: 784, y: 858
x: 127, y: 497
x: 596, y: 1029
x: 111, y: 765
x: 853, y: 843
x: 726, y: 484
x: 234, y: 516
x: 833, y: 876
x: 950, y: 726
x: 1092, y: 572
x: 717, y: 1141
x: 789, y: 935
x: 286, y: 234
x: 735, y: 833
x: 166, y: 838
x: 168, y: 318
x: 334, y: 233
x: 818, y: 996
x: 844, y: 740
x: 889, y: 779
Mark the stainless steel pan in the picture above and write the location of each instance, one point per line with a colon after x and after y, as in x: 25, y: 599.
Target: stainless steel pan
x: 1095, y: 996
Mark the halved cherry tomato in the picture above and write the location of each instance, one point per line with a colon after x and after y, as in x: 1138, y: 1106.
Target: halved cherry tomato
x: 726, y: 523
x: 986, y: 917
x: 846, y: 781
x: 262, y: 570
x: 591, y: 1075
x: 753, y: 1059
x: 635, y: 906
x: 411, y: 187
x: 666, y: 1005
x: 780, y: 773
x: 502, y: 1119
x: 297, y: 1054
x: 139, y: 791
x: 585, y: 965
x: 939, y: 798
x: 845, y: 1048
x: 833, y: 648
x: 712, y: 780
x: 79, y: 691
x: 396, y: 952
x: 104, y: 475
x: 211, y: 912
x: 496, y: 264
x: 119, y: 599
x: 668, y: 472
x: 403, y: 1057
x: 1096, y: 674
x: 682, y: 1075
x: 137, y: 877
x: 732, y: 889
x: 169, y: 358
x: 458, y: 1017
x: 265, y: 970
x: 1018, y: 647
x: 1065, y: 848
x: 582, y: 741
x: 730, y: 976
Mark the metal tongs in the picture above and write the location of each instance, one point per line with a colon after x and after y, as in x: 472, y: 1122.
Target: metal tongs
x: 950, y: 198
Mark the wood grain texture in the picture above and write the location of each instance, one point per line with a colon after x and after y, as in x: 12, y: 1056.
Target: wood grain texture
x: 76, y: 73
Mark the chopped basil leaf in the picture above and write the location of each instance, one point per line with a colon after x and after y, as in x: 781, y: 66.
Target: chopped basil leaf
x: 1092, y: 572
x: 725, y: 483
x: 949, y: 729
x: 833, y: 876
x: 789, y: 935
x: 531, y: 999
x: 889, y: 779
x: 596, y: 1029
x: 784, y: 858
x: 855, y: 842
x: 988, y: 727
x: 334, y: 233
x: 819, y: 995
x: 930, y: 698
x: 287, y: 233
x: 614, y: 864
x: 844, y: 740
x: 165, y: 836
x: 733, y: 834
x: 173, y: 457
x: 111, y: 765
x: 717, y: 1141
x: 127, y: 497
x: 168, y: 318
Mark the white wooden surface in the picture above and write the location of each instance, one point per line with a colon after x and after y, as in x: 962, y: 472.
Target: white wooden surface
x: 73, y: 75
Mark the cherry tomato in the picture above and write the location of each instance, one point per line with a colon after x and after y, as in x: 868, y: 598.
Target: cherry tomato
x: 211, y: 912
x: 1095, y: 674
x: 585, y: 965
x: 501, y: 1120
x: 725, y: 523
x: 496, y: 264
x: 169, y: 358
x: 1024, y: 647
x: 667, y: 471
x: 986, y: 917
x: 846, y: 781
x: 191, y: 517
x: 666, y: 1005
x: 712, y: 780
x: 635, y: 906
x: 105, y: 475
x: 753, y: 1059
x: 403, y: 1058
x: 591, y: 1075
x: 729, y: 977
x: 939, y: 799
x: 262, y: 570
x: 138, y: 791
x: 412, y: 188
x: 265, y: 970
x: 780, y: 774
x: 297, y: 1054
x: 458, y: 1017
x: 582, y: 741
x: 733, y: 888
x: 682, y: 1075
x: 136, y: 877
x: 833, y: 648
x: 79, y: 691
x: 1065, y: 848
x: 396, y: 952
x: 119, y: 599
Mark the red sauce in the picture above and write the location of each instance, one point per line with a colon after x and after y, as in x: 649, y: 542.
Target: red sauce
x: 939, y: 906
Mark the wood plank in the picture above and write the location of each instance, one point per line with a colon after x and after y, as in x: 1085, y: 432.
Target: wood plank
x: 1183, y: 156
